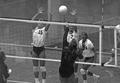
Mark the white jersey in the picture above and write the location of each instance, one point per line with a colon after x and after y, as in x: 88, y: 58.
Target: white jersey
x: 71, y: 36
x: 39, y: 36
x: 87, y: 52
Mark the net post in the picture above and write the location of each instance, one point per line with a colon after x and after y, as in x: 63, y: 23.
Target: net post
x: 49, y: 9
x: 115, y: 45
x: 100, y: 44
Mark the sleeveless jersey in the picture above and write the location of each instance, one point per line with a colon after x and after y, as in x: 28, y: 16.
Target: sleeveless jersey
x: 87, y: 49
x: 39, y: 36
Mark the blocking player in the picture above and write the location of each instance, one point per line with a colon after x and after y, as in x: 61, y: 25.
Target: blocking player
x: 73, y: 34
x: 69, y: 55
x: 88, y: 52
x: 39, y: 36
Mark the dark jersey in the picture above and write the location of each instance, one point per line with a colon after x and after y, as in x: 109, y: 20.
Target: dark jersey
x: 68, y: 58
x: 3, y: 72
x: 67, y: 62
x: 65, y: 43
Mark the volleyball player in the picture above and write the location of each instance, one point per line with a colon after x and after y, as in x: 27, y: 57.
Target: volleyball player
x: 39, y: 36
x: 73, y: 34
x: 69, y: 55
x: 88, y: 52
x: 4, y: 73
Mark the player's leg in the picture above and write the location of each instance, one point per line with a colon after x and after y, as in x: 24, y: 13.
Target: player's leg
x: 35, y: 65
x: 83, y: 73
x: 71, y: 79
x: 91, y: 60
x: 42, y: 65
x: 76, y: 71
x: 84, y: 70
x: 63, y: 80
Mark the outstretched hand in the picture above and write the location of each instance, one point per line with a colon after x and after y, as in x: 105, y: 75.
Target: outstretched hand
x: 40, y: 10
x: 73, y: 12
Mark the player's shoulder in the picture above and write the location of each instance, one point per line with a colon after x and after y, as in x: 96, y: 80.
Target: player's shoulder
x: 89, y: 41
x: 80, y: 41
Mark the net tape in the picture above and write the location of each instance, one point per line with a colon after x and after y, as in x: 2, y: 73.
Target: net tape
x: 54, y: 23
x: 14, y: 81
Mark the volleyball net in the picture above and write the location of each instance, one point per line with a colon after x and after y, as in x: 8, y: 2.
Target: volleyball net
x: 16, y: 31
x: 19, y: 42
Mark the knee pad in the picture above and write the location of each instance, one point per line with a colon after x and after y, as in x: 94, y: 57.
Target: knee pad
x: 35, y: 69
x: 82, y: 71
x: 43, y: 69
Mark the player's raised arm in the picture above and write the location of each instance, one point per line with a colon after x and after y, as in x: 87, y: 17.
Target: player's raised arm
x: 40, y: 11
x: 48, y: 25
x: 33, y: 18
x: 66, y: 30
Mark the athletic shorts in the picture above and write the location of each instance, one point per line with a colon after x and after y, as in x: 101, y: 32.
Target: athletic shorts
x: 38, y: 50
x: 89, y: 60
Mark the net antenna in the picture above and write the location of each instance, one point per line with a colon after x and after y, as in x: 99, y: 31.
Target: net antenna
x: 100, y: 32
x: 115, y: 46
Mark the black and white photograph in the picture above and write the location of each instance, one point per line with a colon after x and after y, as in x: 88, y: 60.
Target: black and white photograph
x: 59, y: 41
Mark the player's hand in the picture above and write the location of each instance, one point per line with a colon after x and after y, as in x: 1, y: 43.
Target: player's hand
x: 40, y: 10
x: 73, y: 12
x: 67, y: 25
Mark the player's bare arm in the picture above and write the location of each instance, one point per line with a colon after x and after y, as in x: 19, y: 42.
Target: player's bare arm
x: 48, y: 25
x: 40, y: 11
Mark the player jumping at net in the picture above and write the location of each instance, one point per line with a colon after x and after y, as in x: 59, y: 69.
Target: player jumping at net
x: 69, y: 55
x: 73, y: 34
x: 88, y: 52
x: 39, y: 36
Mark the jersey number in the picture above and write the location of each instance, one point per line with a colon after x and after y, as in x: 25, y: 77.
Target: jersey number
x: 40, y: 32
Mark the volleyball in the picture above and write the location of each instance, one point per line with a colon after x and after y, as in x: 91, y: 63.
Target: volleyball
x: 63, y: 9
